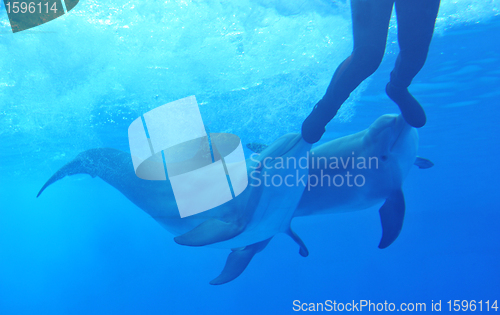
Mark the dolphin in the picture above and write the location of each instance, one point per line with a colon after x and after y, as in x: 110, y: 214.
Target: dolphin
x: 362, y: 170
x: 371, y: 166
x: 248, y: 222
x: 245, y: 224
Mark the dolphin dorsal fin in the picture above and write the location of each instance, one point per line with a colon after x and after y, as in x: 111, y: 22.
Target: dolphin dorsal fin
x: 423, y: 163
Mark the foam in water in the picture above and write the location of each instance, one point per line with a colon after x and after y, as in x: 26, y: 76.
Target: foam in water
x: 257, y: 68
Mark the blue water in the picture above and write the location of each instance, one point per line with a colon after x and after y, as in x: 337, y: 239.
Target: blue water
x: 256, y: 68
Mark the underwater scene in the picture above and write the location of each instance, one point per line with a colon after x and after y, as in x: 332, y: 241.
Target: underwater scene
x: 86, y: 229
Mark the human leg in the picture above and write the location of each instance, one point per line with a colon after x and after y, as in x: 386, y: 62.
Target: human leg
x: 370, y: 20
x: 416, y: 19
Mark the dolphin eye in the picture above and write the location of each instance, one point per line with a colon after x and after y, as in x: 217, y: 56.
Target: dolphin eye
x: 383, y: 158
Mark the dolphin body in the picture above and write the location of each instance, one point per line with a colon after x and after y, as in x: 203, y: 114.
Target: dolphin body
x: 376, y: 161
x: 248, y: 222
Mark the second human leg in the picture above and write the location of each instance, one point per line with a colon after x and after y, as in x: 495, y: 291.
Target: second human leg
x: 416, y: 19
x: 370, y: 22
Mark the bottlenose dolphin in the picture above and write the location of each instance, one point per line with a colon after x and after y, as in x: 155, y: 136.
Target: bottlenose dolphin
x: 248, y: 222
x: 372, y: 165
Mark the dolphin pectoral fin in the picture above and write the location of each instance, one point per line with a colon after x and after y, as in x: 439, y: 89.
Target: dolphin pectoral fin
x: 237, y: 262
x: 423, y: 163
x: 392, y: 214
x: 209, y: 232
x: 303, y: 251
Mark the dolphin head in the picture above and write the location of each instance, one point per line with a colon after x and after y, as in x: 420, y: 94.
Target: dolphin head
x: 392, y: 140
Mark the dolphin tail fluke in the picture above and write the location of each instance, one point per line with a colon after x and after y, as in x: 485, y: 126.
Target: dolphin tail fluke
x: 209, y: 232
x: 303, y: 251
x: 392, y: 214
x: 81, y: 164
x: 57, y: 176
x: 237, y: 262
